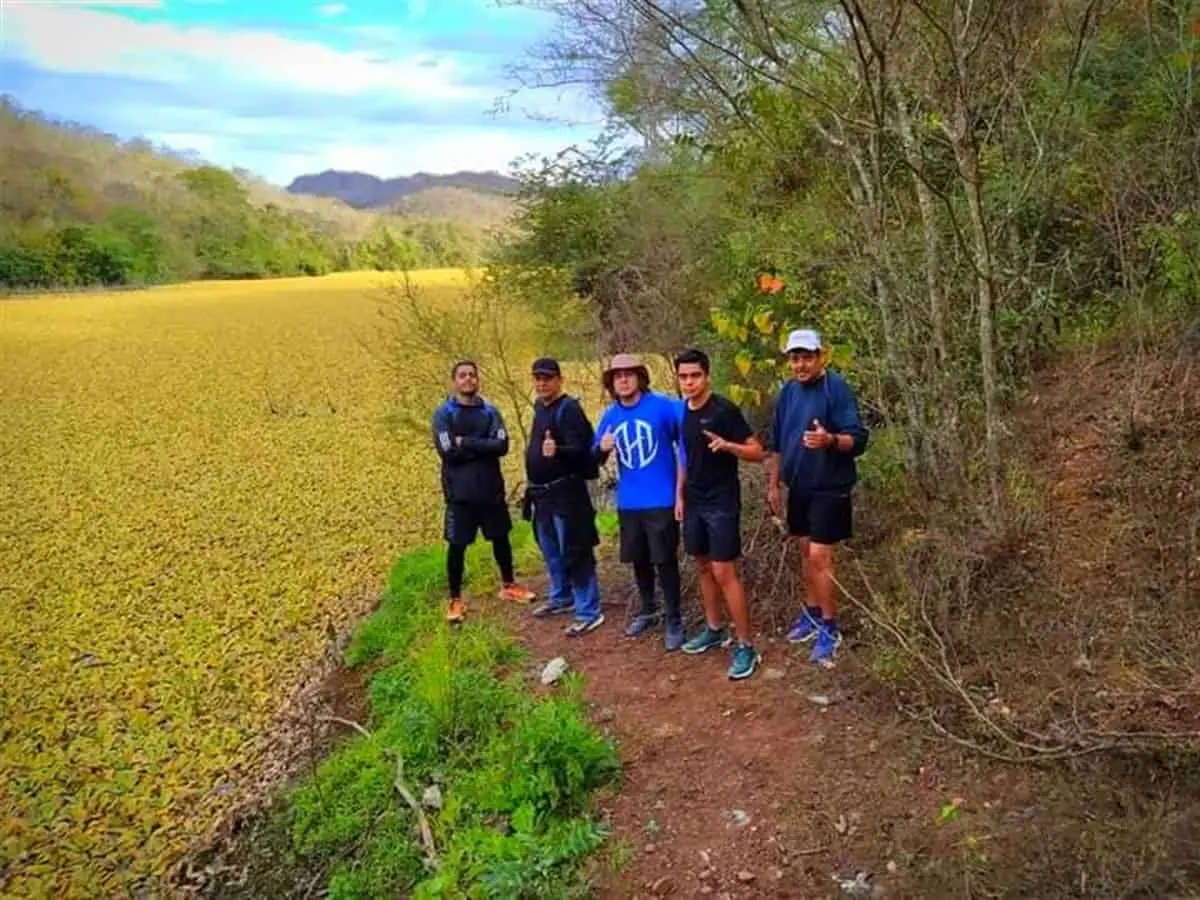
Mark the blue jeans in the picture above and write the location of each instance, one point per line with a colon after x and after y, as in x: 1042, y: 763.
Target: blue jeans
x: 577, y: 583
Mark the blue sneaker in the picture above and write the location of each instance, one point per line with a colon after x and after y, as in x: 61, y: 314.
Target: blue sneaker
x: 825, y: 649
x: 745, y: 661
x: 554, y: 608
x: 641, y: 625
x: 673, y: 638
x: 804, y: 629
x: 707, y: 640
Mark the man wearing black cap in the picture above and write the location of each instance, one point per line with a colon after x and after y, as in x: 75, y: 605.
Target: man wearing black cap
x: 558, y: 465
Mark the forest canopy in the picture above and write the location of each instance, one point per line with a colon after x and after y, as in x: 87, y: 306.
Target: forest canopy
x: 79, y: 207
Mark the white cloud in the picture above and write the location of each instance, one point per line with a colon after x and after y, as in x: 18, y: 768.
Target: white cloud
x: 127, y: 4
x: 89, y: 42
x: 275, y: 104
x: 329, y: 10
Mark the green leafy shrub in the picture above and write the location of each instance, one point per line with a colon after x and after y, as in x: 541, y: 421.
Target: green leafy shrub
x: 515, y: 770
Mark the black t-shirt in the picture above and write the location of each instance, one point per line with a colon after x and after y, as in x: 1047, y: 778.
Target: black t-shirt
x: 712, y: 478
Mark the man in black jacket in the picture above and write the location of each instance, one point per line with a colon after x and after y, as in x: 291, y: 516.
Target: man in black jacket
x: 558, y: 465
x: 470, y: 438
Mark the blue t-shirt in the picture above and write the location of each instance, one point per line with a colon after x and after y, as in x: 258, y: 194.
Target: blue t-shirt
x: 646, y: 436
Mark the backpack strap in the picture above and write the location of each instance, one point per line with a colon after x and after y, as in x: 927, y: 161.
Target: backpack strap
x: 556, y: 421
x: 680, y: 417
x: 490, y: 411
x: 590, y: 469
x: 452, y: 410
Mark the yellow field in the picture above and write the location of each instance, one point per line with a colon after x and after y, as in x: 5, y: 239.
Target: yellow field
x: 195, y: 479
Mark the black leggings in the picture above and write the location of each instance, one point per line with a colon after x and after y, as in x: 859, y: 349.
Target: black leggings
x: 668, y: 577
x: 456, y: 559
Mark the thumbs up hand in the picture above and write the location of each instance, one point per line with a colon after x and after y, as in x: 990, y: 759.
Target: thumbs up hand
x: 549, y: 447
x: 608, y: 441
x: 817, y: 438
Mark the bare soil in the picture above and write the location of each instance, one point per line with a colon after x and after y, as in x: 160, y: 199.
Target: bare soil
x: 770, y: 787
x: 800, y: 778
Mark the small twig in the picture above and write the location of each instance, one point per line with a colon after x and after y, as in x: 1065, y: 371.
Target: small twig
x: 311, y: 886
x: 431, y: 856
x: 345, y: 722
x: 783, y: 552
x: 754, y: 538
x: 810, y: 851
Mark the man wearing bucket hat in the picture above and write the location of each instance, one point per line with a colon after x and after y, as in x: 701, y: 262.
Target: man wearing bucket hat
x: 642, y: 428
x: 815, y: 439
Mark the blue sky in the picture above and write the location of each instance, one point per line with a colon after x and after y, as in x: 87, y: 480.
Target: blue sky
x: 286, y: 87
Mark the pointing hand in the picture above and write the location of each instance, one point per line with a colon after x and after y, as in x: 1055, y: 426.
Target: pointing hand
x: 716, y: 443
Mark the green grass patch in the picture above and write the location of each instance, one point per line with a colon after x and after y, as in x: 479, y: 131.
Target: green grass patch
x: 515, y: 770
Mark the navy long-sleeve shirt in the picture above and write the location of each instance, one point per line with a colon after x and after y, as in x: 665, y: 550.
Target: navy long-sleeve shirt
x: 831, y: 401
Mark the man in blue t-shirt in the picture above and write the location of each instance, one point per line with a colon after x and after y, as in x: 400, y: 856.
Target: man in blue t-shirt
x: 816, y: 436
x: 642, y: 427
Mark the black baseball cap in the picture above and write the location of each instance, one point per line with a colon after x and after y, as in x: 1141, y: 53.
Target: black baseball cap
x: 544, y: 365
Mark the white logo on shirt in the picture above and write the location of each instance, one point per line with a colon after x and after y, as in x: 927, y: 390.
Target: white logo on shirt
x: 638, y: 451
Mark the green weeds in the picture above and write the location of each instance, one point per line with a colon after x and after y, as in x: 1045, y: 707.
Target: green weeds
x: 514, y: 770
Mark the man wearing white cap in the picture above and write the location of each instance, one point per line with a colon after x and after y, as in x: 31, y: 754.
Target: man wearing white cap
x: 815, y: 439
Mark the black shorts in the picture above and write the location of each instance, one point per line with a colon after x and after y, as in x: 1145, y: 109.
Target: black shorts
x: 649, y: 535
x: 713, y: 532
x: 825, y: 517
x: 463, y: 520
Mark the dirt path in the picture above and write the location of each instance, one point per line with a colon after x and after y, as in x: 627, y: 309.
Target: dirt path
x: 763, y: 788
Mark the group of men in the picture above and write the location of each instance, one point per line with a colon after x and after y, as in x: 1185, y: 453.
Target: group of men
x: 677, y: 476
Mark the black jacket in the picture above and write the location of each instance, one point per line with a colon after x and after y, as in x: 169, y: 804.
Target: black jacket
x: 558, y: 486
x: 470, y: 468
x: 574, y: 435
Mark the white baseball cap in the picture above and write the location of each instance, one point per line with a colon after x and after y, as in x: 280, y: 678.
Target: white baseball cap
x: 803, y: 339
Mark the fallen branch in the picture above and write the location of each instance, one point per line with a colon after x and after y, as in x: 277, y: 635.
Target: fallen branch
x: 346, y: 722
x: 1025, y: 745
x: 431, y: 856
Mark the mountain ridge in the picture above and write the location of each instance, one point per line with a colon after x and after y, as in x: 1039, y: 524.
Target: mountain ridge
x: 362, y: 190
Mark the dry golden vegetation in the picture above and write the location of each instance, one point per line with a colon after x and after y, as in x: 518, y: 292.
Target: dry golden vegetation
x: 199, y: 482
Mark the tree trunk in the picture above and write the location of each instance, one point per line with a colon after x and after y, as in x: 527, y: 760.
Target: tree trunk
x: 867, y: 190
x: 966, y: 155
x: 939, y: 369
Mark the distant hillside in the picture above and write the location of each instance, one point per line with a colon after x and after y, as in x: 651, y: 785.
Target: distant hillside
x: 470, y: 207
x: 363, y: 191
x: 80, y: 207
